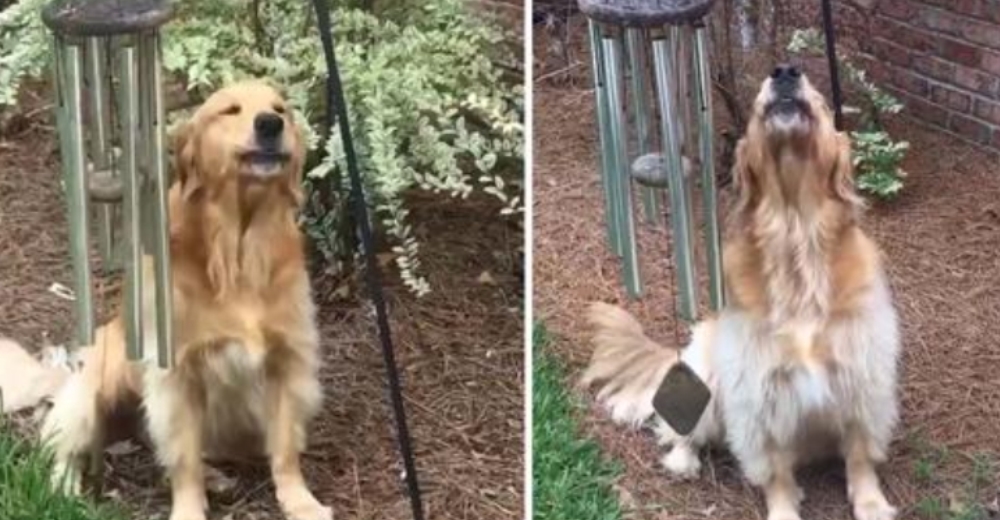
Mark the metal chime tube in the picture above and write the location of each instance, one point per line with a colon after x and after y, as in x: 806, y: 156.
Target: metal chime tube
x: 132, y: 185
x: 684, y: 122
x: 69, y: 81
x: 620, y: 178
x: 601, y: 108
x: 100, y: 151
x: 154, y: 130
x: 635, y: 41
x: 680, y: 211
x: 703, y: 88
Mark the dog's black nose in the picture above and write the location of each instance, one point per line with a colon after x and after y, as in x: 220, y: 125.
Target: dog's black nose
x: 786, y: 72
x: 268, y: 126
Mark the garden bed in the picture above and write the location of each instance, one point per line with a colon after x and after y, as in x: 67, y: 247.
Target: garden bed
x: 460, y: 352
x: 940, y: 238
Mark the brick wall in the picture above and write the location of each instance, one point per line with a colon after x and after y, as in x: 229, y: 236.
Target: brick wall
x: 941, y: 57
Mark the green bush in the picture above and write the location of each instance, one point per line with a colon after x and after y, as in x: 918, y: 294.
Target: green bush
x: 429, y: 106
x: 876, y: 155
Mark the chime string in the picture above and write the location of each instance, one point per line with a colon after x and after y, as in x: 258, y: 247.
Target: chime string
x: 336, y: 110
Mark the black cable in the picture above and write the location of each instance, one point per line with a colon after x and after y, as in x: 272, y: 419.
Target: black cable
x: 831, y: 56
x: 336, y: 110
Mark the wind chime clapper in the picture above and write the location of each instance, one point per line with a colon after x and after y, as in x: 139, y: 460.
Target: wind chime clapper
x: 111, y: 122
x: 652, y: 83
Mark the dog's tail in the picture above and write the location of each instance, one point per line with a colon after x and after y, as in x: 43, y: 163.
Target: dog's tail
x: 628, y: 365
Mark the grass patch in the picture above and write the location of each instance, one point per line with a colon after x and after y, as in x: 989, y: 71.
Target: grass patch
x: 973, y: 491
x: 571, y: 479
x: 25, y: 489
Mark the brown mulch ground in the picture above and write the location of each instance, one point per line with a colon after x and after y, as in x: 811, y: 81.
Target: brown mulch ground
x: 941, y: 238
x: 460, y: 352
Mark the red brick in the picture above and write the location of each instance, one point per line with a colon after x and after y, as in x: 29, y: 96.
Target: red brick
x: 900, y: 9
x: 969, y: 128
x: 934, y: 68
x: 877, y: 69
x: 939, y: 20
x: 907, y: 36
x: 987, y: 34
x: 976, y: 81
x: 921, y: 109
x: 989, y: 10
x: 991, y: 62
x: 892, y: 53
x: 951, y: 98
x: 961, y: 53
x: 907, y: 81
x: 987, y: 110
x: 967, y: 7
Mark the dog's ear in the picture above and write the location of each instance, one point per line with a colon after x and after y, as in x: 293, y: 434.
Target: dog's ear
x: 842, y: 178
x: 185, y: 145
x: 743, y: 178
x: 296, y: 163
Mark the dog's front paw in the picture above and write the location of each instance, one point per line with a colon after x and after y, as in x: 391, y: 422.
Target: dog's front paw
x: 682, y: 461
x: 783, y: 514
x: 187, y: 513
x: 300, y: 504
x: 67, y: 477
x: 873, y: 507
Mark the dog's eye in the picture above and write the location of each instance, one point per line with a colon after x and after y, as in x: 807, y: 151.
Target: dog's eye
x: 279, y: 109
x: 231, y: 110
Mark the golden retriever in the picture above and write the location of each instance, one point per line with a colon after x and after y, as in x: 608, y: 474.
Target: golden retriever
x: 802, y: 361
x: 246, y: 343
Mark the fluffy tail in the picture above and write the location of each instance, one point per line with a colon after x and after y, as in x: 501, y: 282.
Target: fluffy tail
x: 628, y: 365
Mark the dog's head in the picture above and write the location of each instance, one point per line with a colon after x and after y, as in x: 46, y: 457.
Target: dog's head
x: 792, y: 151
x: 243, y: 134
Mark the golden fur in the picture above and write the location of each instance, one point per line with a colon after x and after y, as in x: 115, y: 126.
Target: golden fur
x: 245, y: 345
x: 804, y: 356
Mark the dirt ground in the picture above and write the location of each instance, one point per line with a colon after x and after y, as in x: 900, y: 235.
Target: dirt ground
x: 459, y: 349
x: 940, y: 238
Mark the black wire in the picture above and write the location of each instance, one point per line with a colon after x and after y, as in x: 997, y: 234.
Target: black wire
x: 831, y: 56
x: 336, y: 110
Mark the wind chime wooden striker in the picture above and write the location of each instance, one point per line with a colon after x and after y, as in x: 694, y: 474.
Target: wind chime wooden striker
x: 665, y: 46
x: 111, y: 123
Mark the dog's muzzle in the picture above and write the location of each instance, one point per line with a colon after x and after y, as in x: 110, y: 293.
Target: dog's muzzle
x: 786, y: 111
x: 267, y: 156
x: 786, y: 93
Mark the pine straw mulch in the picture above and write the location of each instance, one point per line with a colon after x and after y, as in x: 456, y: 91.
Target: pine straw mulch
x: 940, y: 238
x: 460, y: 352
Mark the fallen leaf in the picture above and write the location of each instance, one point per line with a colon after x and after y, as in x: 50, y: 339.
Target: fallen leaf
x: 625, y: 497
x: 120, y: 449
x: 385, y: 259
x: 62, y: 291
x: 709, y: 512
x: 343, y: 292
x: 217, y: 482
x: 486, y: 279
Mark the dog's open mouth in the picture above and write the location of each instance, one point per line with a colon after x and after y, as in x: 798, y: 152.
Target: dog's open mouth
x: 788, y: 116
x: 785, y: 106
x: 263, y: 164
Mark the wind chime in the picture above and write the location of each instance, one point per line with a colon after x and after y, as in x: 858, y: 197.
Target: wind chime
x: 682, y: 157
x: 684, y: 160
x: 111, y: 124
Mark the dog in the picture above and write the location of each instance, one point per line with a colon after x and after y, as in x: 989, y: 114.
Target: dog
x: 803, y: 359
x: 245, y: 348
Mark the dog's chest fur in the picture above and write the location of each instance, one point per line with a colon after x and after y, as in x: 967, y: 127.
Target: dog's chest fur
x: 799, y: 273
x: 230, y: 346
x: 793, y: 286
